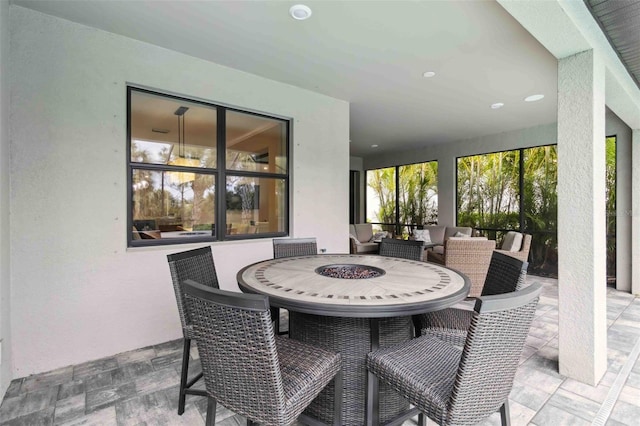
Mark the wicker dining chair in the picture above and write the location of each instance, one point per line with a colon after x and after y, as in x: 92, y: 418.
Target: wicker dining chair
x: 406, y: 249
x: 460, y: 386
x: 506, y: 274
x: 291, y: 247
x: 250, y: 370
x: 196, y: 265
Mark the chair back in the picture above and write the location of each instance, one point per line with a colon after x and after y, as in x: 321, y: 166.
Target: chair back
x: 194, y: 265
x: 491, y: 354
x: 405, y: 249
x: 505, y: 274
x: 290, y: 247
x: 237, y: 349
x: 472, y: 257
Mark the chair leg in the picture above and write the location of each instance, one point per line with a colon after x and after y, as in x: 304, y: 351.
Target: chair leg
x: 211, y: 412
x: 275, y: 317
x: 417, y: 325
x: 505, y: 416
x: 422, y: 419
x: 183, y: 375
x: 372, y: 414
x: 338, y: 387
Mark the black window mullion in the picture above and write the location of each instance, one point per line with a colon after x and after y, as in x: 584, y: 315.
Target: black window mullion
x: 221, y: 160
x: 521, y: 190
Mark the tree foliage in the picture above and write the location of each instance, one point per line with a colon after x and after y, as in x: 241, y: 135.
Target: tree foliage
x: 416, y: 195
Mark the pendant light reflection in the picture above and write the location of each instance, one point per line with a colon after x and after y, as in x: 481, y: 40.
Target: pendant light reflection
x: 181, y: 178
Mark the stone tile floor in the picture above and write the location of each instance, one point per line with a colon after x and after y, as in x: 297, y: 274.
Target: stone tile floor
x: 141, y: 387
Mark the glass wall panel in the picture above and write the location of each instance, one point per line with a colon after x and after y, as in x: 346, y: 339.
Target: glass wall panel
x: 256, y: 144
x: 381, y: 198
x: 496, y: 194
x: 416, y: 194
x: 541, y: 208
x: 488, y: 195
x: 611, y: 208
x: 172, y: 204
x: 255, y: 205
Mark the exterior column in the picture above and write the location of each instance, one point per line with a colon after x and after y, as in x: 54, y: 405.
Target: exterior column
x: 447, y: 190
x: 581, y: 218
x: 635, y: 212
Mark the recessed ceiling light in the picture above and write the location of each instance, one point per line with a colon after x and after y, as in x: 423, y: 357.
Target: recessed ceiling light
x: 374, y: 146
x: 300, y: 12
x: 497, y: 105
x: 533, y: 98
x: 428, y: 74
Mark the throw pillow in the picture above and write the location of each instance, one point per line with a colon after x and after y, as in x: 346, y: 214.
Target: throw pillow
x: 460, y: 234
x: 512, y: 241
x: 422, y: 235
x: 378, y: 236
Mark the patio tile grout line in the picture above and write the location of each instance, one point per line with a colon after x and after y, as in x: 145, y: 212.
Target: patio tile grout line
x: 614, y: 392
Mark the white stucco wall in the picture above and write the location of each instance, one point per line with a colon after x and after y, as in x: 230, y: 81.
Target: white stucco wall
x: 5, y: 318
x: 78, y: 293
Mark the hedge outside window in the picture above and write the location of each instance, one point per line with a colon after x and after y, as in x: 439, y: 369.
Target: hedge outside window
x: 181, y: 152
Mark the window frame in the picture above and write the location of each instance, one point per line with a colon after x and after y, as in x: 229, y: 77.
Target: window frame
x: 397, y: 226
x: 219, y: 173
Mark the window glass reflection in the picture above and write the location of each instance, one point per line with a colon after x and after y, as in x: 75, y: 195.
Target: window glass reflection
x: 169, y: 204
x: 255, y: 205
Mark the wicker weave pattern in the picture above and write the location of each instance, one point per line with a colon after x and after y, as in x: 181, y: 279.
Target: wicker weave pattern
x: 422, y: 370
x: 495, y: 336
x: 352, y: 338
x: 461, y: 388
x: 470, y: 256
x: 249, y: 370
x: 406, y: 249
x: 196, y: 265
x: 506, y: 274
x: 290, y: 247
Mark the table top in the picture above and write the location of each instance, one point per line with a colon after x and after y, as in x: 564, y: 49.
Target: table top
x: 406, y: 287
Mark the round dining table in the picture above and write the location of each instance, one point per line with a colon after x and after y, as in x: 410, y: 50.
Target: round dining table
x: 354, y: 304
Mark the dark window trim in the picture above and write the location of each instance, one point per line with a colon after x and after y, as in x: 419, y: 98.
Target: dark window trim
x: 397, y: 225
x: 520, y: 184
x: 220, y: 173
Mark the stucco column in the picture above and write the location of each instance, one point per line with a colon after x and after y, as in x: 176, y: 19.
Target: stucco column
x: 447, y: 190
x: 581, y: 218
x: 635, y: 212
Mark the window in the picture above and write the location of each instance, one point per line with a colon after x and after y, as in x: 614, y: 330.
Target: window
x: 513, y: 190
x: 610, y: 176
x: 204, y: 172
x: 402, y: 198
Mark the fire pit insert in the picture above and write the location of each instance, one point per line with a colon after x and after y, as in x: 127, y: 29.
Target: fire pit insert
x: 349, y: 271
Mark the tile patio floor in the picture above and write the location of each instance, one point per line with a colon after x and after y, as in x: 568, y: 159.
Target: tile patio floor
x: 140, y: 387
